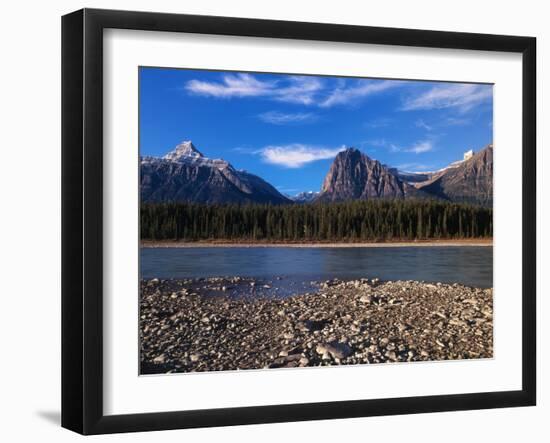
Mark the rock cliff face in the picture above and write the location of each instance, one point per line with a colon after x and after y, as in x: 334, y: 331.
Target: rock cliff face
x: 185, y: 175
x: 355, y: 176
x: 470, y: 181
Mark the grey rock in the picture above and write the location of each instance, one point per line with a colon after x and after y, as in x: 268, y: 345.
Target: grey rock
x: 159, y: 359
x: 335, y: 349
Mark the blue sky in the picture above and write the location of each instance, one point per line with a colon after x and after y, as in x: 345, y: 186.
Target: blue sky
x: 288, y: 128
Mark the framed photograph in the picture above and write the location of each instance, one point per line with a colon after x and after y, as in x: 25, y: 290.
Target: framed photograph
x: 269, y: 221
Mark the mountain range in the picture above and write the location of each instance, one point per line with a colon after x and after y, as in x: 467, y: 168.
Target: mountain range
x: 186, y: 175
x: 304, y: 197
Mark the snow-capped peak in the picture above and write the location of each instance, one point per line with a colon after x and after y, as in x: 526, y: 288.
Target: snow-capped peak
x: 184, y: 151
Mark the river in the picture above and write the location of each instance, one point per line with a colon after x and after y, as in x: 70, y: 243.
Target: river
x: 467, y: 265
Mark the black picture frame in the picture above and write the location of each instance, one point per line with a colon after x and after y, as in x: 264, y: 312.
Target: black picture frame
x: 82, y: 215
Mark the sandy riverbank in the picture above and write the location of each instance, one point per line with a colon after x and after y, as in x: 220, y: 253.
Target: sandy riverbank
x: 396, y: 244
x: 340, y: 322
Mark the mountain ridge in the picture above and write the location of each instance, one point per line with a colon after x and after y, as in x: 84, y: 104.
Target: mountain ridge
x: 186, y: 175
x: 469, y: 182
x: 353, y: 175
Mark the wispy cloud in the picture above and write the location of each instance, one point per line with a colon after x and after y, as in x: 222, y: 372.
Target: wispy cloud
x: 376, y: 142
x: 297, y: 155
x: 460, y: 96
x: 442, y: 123
x: 422, y: 124
x: 453, y: 121
x: 301, y: 90
x: 415, y: 167
x: 239, y: 85
x: 293, y: 89
x: 421, y: 147
x: 304, y: 90
x: 418, y: 147
x: 244, y: 149
x: 281, y: 118
x: 364, y: 88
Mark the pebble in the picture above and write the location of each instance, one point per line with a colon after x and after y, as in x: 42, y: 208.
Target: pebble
x: 160, y: 359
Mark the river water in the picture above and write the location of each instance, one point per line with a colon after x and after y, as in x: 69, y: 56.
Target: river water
x: 467, y: 265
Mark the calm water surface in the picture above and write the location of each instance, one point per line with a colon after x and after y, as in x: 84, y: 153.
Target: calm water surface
x: 468, y: 265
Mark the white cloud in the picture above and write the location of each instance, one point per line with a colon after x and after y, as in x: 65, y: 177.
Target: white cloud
x: 301, y: 90
x: 461, y: 96
x: 345, y: 95
x: 420, y: 147
x: 297, y: 155
x: 293, y: 90
x: 239, y: 85
x: 280, y: 118
x: 304, y: 90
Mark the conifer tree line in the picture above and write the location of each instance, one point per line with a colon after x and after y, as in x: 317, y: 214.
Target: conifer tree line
x: 373, y: 220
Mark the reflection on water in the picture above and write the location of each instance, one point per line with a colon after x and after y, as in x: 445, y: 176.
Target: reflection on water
x: 468, y: 265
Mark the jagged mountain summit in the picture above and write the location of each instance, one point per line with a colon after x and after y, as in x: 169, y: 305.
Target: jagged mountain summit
x: 186, y: 175
x: 355, y: 176
x: 185, y: 151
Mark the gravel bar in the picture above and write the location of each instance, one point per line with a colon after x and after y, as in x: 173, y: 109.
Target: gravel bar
x: 201, y: 325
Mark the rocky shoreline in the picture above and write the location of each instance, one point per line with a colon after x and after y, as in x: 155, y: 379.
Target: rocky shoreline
x: 217, y: 324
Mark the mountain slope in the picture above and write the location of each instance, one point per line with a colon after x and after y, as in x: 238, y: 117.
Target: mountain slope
x: 185, y: 175
x: 469, y: 182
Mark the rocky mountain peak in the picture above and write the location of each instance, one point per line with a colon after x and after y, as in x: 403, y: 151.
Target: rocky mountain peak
x: 349, y: 153
x: 350, y: 150
x: 186, y: 150
x: 355, y: 176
